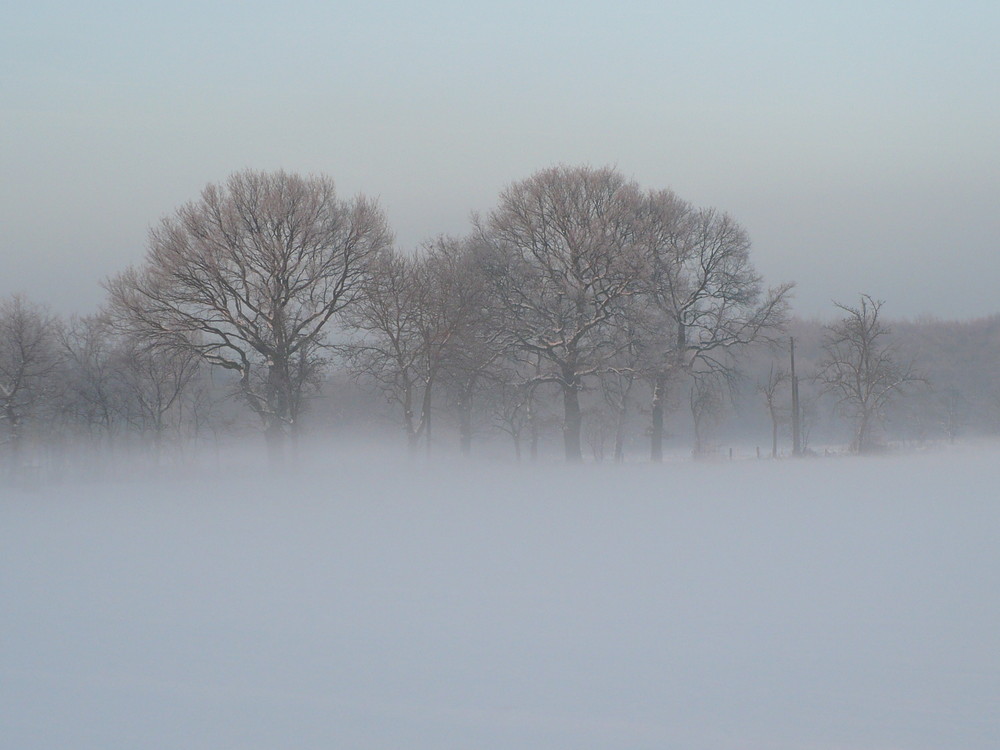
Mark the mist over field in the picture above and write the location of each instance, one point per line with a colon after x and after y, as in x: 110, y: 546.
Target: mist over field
x: 359, y: 599
x: 499, y: 376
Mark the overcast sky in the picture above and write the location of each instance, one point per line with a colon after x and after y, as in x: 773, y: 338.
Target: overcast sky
x: 858, y: 142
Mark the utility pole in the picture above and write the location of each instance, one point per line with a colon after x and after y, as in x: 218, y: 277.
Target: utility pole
x: 796, y: 437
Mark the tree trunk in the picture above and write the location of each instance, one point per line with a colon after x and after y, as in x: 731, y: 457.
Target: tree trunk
x: 411, y: 432
x: 532, y: 427
x: 620, y: 436
x: 274, y: 436
x: 863, y: 438
x: 277, y: 403
x: 157, y: 442
x: 16, y: 437
x: 656, y: 434
x: 425, y: 415
x: 573, y: 419
x: 465, y: 423
x: 278, y: 391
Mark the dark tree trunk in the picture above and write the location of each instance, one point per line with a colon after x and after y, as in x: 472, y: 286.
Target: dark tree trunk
x: 465, y: 423
x: 573, y: 419
x: 158, y: 428
x: 659, y: 399
x: 863, y: 439
x: 533, y: 430
x: 620, y: 435
x: 278, y: 391
x: 412, y: 435
x: 274, y: 436
x: 425, y: 415
x: 16, y: 437
x: 656, y: 434
x: 533, y: 445
x: 277, y: 416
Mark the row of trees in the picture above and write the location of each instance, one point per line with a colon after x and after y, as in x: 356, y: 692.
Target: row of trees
x: 856, y: 369
x: 84, y: 377
x: 578, y: 280
x: 247, y: 280
x: 577, y: 274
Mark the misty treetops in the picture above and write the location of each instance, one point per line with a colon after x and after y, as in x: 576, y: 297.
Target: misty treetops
x: 575, y: 272
x: 578, y: 280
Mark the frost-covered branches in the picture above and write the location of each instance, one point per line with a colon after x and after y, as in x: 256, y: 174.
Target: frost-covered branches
x: 861, y: 369
x: 28, y: 360
x: 248, y: 276
x: 564, y: 257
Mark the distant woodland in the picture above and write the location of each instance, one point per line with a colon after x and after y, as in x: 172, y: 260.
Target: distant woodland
x: 584, y: 318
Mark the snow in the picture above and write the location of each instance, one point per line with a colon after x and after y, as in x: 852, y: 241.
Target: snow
x: 354, y: 603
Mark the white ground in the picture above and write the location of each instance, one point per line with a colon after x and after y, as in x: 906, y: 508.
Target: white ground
x: 756, y: 605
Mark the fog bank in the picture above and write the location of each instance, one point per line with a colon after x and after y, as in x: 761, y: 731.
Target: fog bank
x: 354, y: 602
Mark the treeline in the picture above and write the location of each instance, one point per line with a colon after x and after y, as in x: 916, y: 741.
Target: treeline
x: 582, y: 306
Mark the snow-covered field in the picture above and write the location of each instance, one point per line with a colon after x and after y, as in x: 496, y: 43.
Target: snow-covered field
x: 353, y: 603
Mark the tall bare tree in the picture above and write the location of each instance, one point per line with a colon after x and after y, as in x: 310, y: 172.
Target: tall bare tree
x: 422, y: 320
x: 94, y: 398
x: 248, y: 276
x: 564, y: 258
x: 155, y: 379
x: 706, y: 399
x: 477, y: 348
x: 769, y: 389
x: 861, y: 369
x: 28, y: 360
x: 517, y: 406
x: 625, y: 367
x: 390, y: 348
x: 710, y: 300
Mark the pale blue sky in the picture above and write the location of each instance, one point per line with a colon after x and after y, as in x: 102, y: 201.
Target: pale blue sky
x: 857, y: 142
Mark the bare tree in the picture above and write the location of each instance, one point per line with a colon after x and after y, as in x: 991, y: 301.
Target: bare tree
x: 93, y: 394
x: 248, y: 276
x: 474, y: 358
x: 600, y: 426
x: 461, y: 341
x: 512, y: 411
x: 28, y: 360
x: 155, y: 379
x: 115, y: 382
x: 517, y: 404
x: 408, y: 325
x: 564, y: 257
x: 769, y: 389
x: 388, y: 352
x: 706, y: 399
x: 954, y: 409
x: 809, y: 417
x: 710, y: 300
x: 625, y: 368
x: 861, y: 369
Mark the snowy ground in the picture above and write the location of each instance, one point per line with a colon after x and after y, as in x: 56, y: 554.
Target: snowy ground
x: 755, y: 605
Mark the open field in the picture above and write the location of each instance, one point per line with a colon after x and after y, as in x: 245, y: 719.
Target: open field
x: 354, y: 603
